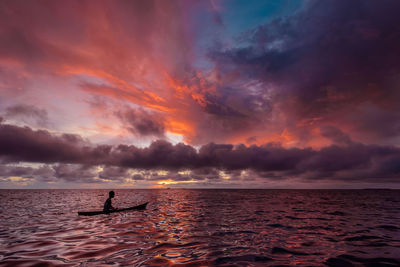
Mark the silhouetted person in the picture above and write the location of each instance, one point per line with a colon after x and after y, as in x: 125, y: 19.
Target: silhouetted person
x: 107, y: 205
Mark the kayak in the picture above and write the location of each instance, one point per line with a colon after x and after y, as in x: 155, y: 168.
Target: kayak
x: 91, y: 213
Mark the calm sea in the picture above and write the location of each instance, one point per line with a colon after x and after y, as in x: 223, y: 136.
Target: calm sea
x: 201, y: 228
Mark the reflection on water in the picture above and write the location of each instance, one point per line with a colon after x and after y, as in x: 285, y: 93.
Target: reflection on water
x: 202, y: 227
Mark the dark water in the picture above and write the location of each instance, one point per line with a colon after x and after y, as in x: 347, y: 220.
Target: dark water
x: 202, y: 228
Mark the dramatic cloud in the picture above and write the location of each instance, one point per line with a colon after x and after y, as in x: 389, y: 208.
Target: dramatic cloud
x: 24, y: 144
x: 346, y: 162
x: 142, y: 123
x: 75, y: 173
x: 43, y: 173
x: 113, y: 173
x: 335, y: 62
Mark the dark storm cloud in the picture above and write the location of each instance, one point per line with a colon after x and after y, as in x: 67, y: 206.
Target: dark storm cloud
x: 160, y: 154
x: 370, y: 163
x: 137, y: 177
x: 335, y: 134
x: 43, y: 173
x: 141, y: 122
x: 28, y: 113
x: 113, y: 173
x: 207, y: 172
x: 75, y: 173
x: 22, y: 144
x: 25, y: 144
x: 327, y: 61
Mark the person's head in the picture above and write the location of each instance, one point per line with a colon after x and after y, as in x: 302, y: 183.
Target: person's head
x: 111, y: 194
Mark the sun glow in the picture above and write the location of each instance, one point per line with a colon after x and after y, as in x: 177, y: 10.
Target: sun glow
x: 223, y: 175
x: 19, y: 180
x: 169, y: 181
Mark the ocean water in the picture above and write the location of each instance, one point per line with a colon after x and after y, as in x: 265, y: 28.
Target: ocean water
x: 201, y: 228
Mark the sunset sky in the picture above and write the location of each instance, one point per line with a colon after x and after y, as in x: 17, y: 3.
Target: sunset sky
x: 199, y: 94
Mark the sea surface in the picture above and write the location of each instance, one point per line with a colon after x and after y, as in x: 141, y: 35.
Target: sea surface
x: 201, y: 228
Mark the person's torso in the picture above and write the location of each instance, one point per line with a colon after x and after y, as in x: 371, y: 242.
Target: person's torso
x: 107, y: 205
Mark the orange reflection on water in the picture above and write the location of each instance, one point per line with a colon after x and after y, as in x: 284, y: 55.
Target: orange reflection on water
x: 200, y: 227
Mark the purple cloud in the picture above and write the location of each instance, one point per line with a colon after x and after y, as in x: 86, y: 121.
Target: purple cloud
x: 75, y: 158
x: 141, y: 122
x: 335, y: 62
x: 28, y: 113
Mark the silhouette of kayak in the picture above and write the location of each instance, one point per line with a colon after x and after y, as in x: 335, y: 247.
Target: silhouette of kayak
x: 91, y: 213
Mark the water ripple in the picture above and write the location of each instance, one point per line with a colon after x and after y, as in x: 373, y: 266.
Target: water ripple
x: 202, y: 228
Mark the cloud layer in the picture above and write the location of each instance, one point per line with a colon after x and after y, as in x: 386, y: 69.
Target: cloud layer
x: 347, y: 161
x: 333, y: 63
